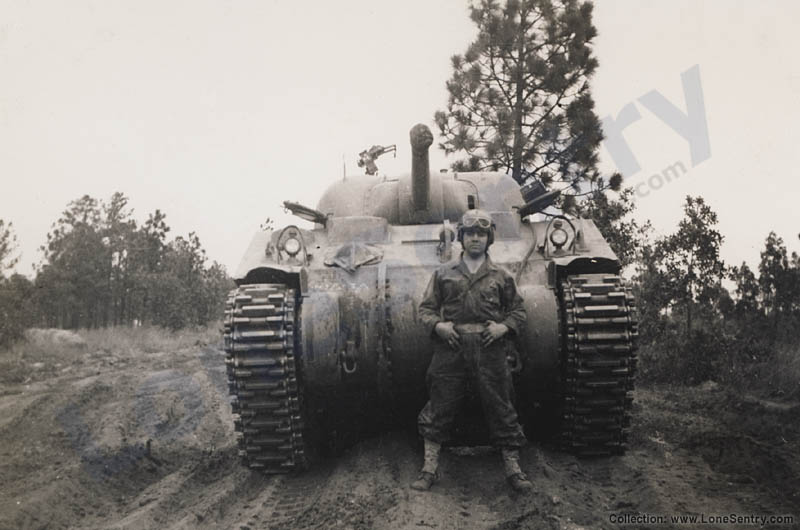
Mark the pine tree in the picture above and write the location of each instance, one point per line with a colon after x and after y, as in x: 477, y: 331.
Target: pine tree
x: 690, y: 259
x: 747, y: 291
x: 15, y: 291
x: 16, y: 307
x: 72, y: 276
x: 8, y: 244
x: 519, y: 98
x: 118, y: 233
x: 779, y: 282
x: 145, y: 260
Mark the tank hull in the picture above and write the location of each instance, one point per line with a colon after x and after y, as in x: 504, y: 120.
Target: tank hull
x: 360, y: 348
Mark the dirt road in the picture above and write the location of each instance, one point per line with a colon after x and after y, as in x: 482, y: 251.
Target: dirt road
x: 146, y: 441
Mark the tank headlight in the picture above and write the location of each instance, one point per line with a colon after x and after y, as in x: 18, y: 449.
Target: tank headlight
x: 558, y: 237
x: 291, y: 246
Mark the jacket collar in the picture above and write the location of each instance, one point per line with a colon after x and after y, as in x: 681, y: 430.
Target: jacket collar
x: 482, y: 271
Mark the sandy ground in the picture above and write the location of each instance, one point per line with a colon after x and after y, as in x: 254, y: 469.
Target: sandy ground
x: 146, y: 441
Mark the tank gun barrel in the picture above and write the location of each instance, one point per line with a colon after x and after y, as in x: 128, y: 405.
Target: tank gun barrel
x: 421, y: 139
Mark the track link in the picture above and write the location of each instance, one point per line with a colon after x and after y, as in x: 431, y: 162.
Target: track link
x: 259, y: 342
x: 598, y: 333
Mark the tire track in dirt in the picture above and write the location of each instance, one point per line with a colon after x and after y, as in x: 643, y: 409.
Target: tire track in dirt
x: 75, y: 455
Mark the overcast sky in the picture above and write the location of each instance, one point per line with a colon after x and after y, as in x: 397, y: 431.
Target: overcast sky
x: 217, y: 111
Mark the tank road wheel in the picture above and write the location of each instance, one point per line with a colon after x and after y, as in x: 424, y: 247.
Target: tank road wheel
x: 598, y: 363
x: 259, y: 340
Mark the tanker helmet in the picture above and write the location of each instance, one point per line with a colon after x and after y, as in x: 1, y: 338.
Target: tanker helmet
x: 478, y: 219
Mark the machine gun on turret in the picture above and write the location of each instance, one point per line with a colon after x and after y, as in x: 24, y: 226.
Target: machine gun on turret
x: 368, y: 157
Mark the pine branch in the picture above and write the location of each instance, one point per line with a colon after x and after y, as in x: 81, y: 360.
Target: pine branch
x: 500, y: 83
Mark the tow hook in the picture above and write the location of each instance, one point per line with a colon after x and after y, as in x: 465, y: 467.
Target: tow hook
x: 348, y: 358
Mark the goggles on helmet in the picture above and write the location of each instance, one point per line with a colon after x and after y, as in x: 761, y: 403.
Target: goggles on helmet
x: 480, y: 222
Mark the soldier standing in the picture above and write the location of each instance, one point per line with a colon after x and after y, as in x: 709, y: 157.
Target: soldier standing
x: 470, y: 308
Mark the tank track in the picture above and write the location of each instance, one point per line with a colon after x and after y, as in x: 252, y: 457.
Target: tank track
x: 259, y: 341
x: 598, y: 333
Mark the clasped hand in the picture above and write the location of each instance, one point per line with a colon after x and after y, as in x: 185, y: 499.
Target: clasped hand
x: 493, y: 332
x: 447, y: 332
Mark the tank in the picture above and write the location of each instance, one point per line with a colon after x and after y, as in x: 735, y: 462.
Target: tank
x: 324, y: 345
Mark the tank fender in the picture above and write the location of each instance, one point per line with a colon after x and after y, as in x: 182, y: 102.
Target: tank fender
x: 560, y: 267
x: 261, y: 262
x: 539, y: 345
x: 254, y: 257
x: 592, y: 252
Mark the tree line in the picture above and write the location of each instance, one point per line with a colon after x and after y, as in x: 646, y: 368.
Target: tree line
x: 101, y: 268
x: 701, y: 318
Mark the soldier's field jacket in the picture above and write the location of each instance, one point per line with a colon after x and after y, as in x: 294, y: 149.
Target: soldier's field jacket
x: 456, y: 295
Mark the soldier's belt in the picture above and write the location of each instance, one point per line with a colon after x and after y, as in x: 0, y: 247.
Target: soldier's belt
x: 462, y: 329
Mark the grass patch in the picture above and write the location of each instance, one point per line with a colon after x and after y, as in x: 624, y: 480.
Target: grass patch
x: 47, y: 353
x: 778, y: 376
x: 125, y: 340
x: 760, y: 367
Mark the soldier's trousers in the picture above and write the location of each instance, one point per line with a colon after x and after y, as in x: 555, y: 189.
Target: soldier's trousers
x: 448, y: 379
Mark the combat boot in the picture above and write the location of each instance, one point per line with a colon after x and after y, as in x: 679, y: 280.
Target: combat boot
x: 429, y: 468
x: 514, y: 475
